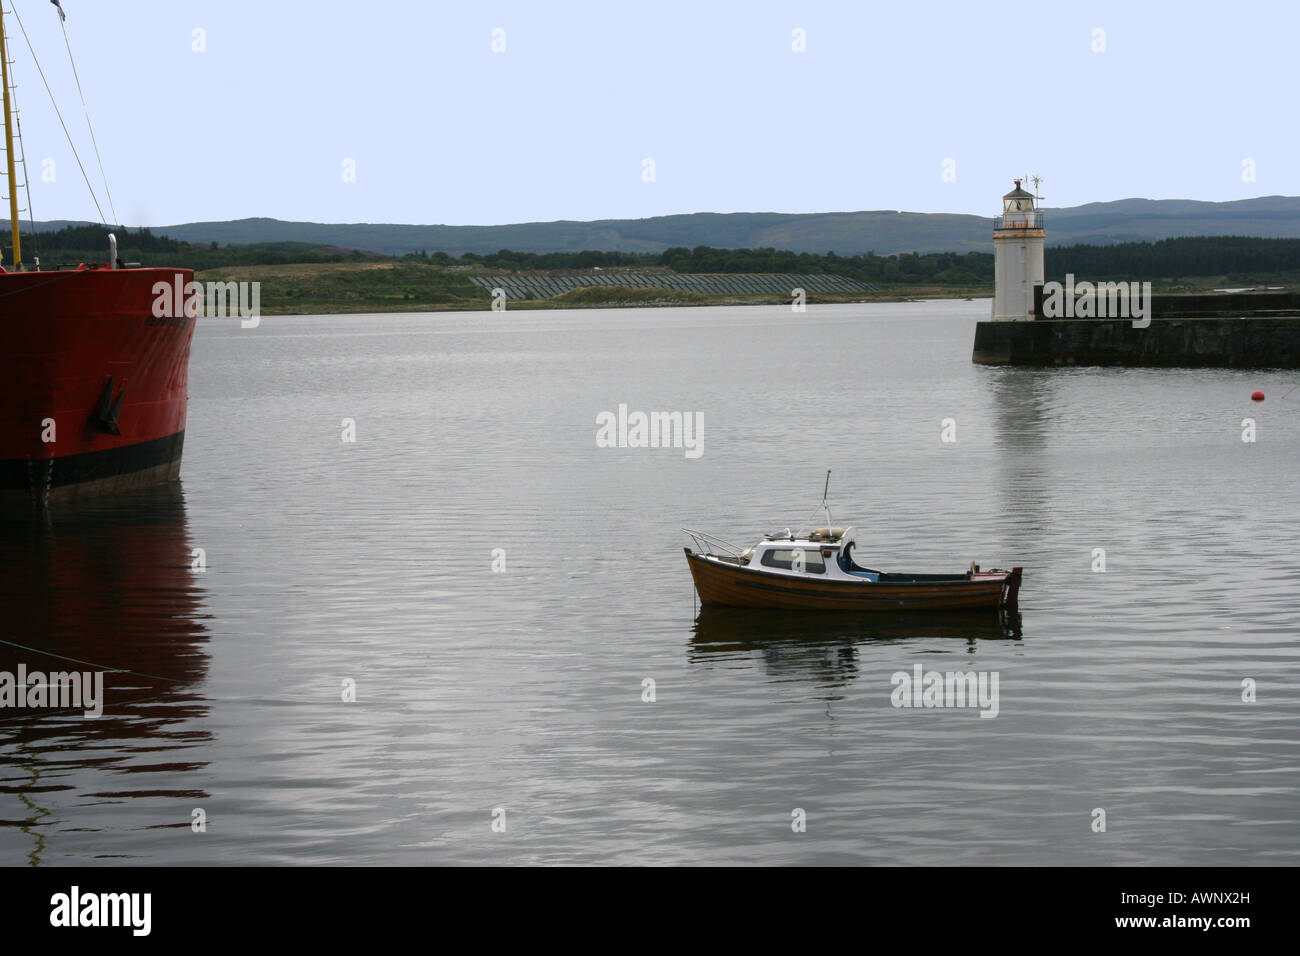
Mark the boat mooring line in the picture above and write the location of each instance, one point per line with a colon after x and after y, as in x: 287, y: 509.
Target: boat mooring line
x: 103, y: 667
x: 200, y: 698
x: 71, y: 710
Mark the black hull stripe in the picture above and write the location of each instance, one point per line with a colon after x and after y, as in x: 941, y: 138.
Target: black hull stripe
x: 19, y: 474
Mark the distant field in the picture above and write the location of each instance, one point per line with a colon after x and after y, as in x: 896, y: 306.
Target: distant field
x: 414, y: 286
x: 319, y: 288
x: 323, y: 288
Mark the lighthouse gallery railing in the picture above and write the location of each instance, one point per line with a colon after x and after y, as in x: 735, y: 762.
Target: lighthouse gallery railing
x: 1019, y: 220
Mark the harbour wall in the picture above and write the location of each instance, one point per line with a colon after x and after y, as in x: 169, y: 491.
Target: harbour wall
x: 1249, y: 342
x: 1241, y: 330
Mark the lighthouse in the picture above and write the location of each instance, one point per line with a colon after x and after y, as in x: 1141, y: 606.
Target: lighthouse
x: 1017, y: 256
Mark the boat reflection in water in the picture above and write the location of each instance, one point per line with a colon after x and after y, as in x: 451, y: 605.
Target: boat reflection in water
x: 824, y: 647
x: 102, y: 585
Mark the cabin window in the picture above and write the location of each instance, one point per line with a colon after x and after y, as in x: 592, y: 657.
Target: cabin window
x: 785, y: 559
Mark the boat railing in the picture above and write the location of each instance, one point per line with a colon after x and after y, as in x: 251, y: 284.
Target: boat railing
x: 705, y: 543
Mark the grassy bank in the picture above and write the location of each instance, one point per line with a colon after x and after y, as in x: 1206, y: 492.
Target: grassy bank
x: 414, y: 286
x: 405, y: 286
x: 322, y: 288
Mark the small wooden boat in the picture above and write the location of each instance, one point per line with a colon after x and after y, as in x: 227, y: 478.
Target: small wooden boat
x: 817, y: 572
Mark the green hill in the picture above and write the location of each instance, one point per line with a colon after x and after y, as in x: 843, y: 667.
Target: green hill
x: 848, y: 233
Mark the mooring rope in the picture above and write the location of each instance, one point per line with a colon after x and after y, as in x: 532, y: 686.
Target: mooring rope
x: 103, y: 667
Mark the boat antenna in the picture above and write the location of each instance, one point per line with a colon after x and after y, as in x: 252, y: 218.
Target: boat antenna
x: 825, y: 507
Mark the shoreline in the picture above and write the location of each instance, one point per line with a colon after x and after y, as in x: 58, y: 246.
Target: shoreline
x: 560, y: 304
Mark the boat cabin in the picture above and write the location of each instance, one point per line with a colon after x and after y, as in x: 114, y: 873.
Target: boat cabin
x: 827, y: 552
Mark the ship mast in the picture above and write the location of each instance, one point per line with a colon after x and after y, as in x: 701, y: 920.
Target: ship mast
x: 9, y: 147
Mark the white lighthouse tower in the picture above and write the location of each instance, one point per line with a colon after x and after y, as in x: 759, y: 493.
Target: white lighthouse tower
x: 1017, y: 256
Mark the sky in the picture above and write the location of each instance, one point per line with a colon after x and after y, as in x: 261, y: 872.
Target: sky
x: 496, y: 112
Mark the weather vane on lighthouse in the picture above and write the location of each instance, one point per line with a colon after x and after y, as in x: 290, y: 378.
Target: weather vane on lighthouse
x: 1035, y: 180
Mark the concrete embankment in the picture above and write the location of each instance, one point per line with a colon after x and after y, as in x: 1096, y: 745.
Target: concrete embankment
x: 1246, y: 330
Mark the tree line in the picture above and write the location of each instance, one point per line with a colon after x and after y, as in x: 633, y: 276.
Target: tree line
x: 1240, y: 256
x: 1164, y: 259
x: 73, y: 244
x: 1170, y: 258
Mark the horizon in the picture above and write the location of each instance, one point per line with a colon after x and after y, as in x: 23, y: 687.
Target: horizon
x: 702, y: 212
x: 201, y: 119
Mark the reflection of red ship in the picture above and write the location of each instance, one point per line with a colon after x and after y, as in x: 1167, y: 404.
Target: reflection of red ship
x: 109, y: 582
x: 102, y: 585
x: 92, y: 383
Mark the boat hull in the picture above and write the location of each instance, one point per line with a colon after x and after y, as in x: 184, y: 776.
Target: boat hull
x: 721, y: 584
x: 93, y: 384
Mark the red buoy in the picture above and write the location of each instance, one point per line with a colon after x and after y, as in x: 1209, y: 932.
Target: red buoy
x: 1257, y: 397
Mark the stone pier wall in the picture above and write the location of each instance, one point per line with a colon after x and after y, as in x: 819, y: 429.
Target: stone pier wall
x: 1241, y: 342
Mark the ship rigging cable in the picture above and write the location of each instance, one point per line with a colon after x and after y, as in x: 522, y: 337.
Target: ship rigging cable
x: 27, y: 186
x: 86, y: 109
x: 27, y: 182
x: 59, y: 114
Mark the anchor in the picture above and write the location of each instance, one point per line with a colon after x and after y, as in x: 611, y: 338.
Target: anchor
x: 106, y: 415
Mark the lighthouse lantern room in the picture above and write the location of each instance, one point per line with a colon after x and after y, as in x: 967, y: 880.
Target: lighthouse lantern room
x: 1017, y: 255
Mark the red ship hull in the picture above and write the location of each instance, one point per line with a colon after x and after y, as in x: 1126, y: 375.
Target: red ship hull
x: 92, y: 383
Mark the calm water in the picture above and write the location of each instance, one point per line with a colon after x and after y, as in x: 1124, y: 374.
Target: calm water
x: 371, y: 562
